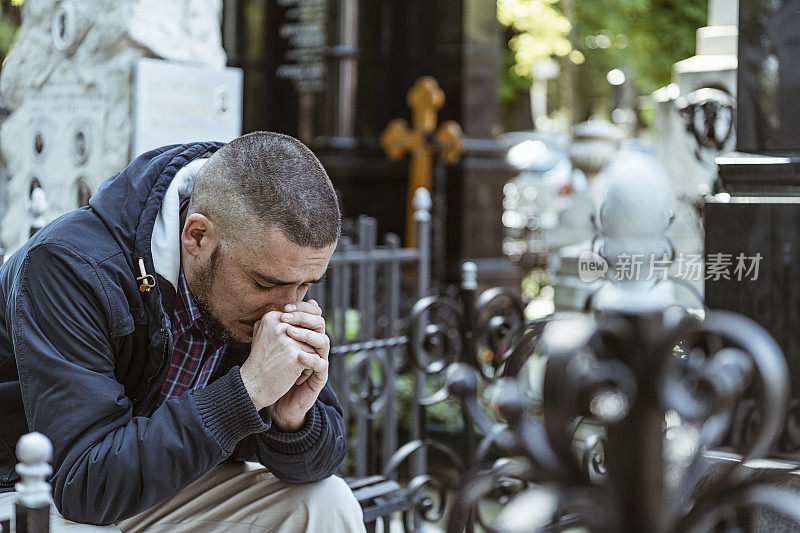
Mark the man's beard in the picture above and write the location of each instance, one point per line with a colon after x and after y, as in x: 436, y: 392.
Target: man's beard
x: 204, y: 283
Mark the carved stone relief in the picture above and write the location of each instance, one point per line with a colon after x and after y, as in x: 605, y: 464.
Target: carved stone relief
x: 69, y: 85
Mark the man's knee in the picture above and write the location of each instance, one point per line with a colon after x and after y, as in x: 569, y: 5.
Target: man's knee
x: 331, y: 501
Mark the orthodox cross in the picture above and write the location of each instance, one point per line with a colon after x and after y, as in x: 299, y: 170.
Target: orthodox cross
x: 422, y: 141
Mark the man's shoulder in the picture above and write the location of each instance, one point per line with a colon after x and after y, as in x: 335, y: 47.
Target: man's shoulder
x: 76, y: 251
x: 83, y: 233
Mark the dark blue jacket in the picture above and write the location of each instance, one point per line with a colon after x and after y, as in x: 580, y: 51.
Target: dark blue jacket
x: 81, y: 347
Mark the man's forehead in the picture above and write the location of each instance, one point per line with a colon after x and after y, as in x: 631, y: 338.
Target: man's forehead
x: 289, y: 252
x: 285, y: 264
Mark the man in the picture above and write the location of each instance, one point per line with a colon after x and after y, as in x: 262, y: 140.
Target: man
x: 161, y: 331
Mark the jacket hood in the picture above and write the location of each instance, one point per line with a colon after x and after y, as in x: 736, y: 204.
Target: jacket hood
x: 165, y: 245
x: 129, y: 202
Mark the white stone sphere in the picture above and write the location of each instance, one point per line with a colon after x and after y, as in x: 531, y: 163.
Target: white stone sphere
x: 636, y: 198
x: 34, y: 448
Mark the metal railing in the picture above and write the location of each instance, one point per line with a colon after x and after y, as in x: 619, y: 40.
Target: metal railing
x: 364, y: 297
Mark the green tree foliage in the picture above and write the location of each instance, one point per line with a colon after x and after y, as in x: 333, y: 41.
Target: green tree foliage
x: 642, y: 37
x: 9, y: 24
x: 540, y: 30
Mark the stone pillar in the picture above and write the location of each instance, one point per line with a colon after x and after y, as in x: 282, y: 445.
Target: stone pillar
x: 69, y: 84
x: 714, y: 65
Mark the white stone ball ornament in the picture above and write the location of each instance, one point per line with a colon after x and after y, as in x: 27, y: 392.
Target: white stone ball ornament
x: 634, y: 209
x: 636, y: 197
x: 34, y: 451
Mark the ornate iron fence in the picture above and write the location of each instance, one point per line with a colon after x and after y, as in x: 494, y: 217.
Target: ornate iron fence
x: 609, y: 421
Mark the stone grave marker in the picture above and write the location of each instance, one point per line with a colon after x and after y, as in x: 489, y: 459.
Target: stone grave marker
x: 69, y: 84
x: 176, y: 103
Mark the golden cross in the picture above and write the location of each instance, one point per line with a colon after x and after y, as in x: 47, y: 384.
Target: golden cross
x: 422, y: 141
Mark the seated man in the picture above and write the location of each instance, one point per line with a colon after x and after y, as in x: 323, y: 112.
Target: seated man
x: 159, y: 338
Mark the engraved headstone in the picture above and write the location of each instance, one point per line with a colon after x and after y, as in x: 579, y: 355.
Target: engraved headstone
x: 304, y: 31
x: 175, y: 103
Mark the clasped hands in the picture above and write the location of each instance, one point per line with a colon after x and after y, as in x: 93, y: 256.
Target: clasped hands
x: 288, y: 363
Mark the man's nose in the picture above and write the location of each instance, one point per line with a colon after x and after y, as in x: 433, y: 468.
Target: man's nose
x: 287, y: 294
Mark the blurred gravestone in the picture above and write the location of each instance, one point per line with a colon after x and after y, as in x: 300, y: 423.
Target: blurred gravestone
x: 176, y: 103
x: 769, y: 77
x: 69, y: 84
x: 691, y: 167
x: 756, y: 214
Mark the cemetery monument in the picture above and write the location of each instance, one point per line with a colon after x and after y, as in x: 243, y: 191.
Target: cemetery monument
x: 89, y: 90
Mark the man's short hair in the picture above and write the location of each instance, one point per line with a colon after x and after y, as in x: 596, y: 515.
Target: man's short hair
x: 265, y: 179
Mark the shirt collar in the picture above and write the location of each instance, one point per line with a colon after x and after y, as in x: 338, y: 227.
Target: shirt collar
x: 187, y: 314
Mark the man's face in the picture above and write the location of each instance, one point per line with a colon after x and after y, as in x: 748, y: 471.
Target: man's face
x: 234, y: 288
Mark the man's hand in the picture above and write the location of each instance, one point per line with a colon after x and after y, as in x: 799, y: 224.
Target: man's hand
x: 275, y: 363
x: 305, y: 326
x: 307, y: 315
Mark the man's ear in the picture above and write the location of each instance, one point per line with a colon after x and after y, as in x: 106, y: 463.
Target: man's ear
x: 198, y: 235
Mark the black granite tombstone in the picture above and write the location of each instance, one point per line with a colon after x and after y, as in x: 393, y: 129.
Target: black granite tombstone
x: 281, y: 46
x: 372, y: 52
x: 768, y: 76
x: 759, y: 208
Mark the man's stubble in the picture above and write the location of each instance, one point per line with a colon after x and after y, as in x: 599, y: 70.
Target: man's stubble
x: 204, y: 285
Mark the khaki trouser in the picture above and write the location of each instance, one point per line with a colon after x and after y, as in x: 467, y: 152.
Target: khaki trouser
x: 239, y: 497
x: 245, y: 497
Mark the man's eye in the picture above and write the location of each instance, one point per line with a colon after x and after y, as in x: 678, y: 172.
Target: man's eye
x: 265, y: 287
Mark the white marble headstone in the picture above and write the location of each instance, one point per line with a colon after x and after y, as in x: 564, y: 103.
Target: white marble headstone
x: 69, y: 83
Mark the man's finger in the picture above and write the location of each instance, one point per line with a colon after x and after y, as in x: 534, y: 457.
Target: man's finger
x: 311, y: 307
x: 304, y: 345
x: 304, y: 376
x: 305, y: 320
x: 271, y: 317
x: 314, y: 362
x: 319, y: 341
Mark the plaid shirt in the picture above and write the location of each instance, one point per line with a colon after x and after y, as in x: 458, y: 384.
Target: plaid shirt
x: 194, y: 356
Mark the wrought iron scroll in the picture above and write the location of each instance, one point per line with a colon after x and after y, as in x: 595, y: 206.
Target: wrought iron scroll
x: 468, y: 341
x: 585, y: 420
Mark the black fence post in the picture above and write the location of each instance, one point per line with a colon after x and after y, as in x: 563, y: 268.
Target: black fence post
x: 467, y: 295
x: 422, y: 216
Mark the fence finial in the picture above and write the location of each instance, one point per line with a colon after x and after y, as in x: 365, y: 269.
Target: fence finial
x: 469, y: 275
x: 636, y: 209
x: 35, y: 452
x: 422, y: 204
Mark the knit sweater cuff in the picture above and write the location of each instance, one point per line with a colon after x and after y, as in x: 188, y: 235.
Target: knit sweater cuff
x: 227, y: 410
x: 300, y: 440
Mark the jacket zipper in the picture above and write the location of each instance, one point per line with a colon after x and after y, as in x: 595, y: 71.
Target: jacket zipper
x: 147, y: 282
x: 157, y: 373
